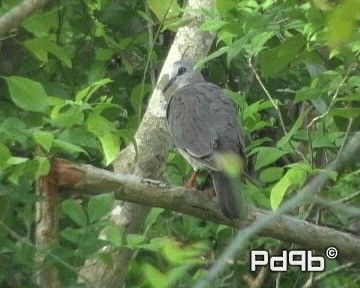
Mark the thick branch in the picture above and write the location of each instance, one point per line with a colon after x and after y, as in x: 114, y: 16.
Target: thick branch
x: 154, y: 193
x: 18, y: 14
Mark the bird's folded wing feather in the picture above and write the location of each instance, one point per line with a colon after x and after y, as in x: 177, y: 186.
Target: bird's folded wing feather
x: 202, y: 121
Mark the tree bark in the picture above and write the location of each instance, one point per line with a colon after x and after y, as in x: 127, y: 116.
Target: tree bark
x: 47, y: 229
x: 154, y: 193
x: 19, y: 13
x: 153, y: 142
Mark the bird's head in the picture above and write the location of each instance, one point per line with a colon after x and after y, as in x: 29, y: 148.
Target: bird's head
x: 183, y: 73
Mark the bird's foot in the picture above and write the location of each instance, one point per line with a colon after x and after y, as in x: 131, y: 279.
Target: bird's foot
x: 190, y: 185
x: 211, y: 192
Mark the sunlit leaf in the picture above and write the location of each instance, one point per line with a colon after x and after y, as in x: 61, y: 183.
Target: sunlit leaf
x: 294, y: 177
x: 44, y: 139
x: 27, y: 94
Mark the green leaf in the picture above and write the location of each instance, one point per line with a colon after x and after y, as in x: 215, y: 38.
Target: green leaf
x: 73, y: 235
x: 133, y: 240
x: 342, y: 22
x: 188, y: 254
x: 267, y: 156
x: 153, y: 215
x: 110, y: 142
x: 214, y: 55
x: 345, y: 112
x: 44, y: 139
x: 42, y: 166
x: 16, y: 172
x: 99, y: 125
x: 27, y: 94
x: 104, y: 54
x: 225, y: 6
x: 164, y: 8
x: 137, y: 95
x: 65, y: 117
x: 41, y: 24
x: 271, y: 174
x: 293, y: 177
x: 5, y: 155
x: 307, y: 93
x: 175, y: 24
x: 354, y: 82
x: 275, y: 60
x: 258, y: 142
x: 97, y: 71
x: 100, y: 205
x: 90, y: 90
x: 258, y: 41
x: 235, y: 49
x: 17, y: 160
x: 355, y: 97
x: 40, y: 47
x: 73, y: 209
x: 212, y: 25
x: 154, y: 277
x: 113, y: 235
x: 69, y: 147
x: 285, y: 140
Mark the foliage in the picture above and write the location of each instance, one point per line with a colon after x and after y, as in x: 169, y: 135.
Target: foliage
x: 73, y: 85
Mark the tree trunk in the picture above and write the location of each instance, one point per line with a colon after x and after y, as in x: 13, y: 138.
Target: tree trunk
x: 153, y: 142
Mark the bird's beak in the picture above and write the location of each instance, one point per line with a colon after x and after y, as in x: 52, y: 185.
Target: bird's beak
x: 167, y: 86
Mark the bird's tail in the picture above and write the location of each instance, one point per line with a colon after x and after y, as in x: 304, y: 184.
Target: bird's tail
x: 230, y: 195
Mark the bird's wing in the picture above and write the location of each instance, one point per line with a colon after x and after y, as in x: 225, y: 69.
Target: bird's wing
x: 203, y: 121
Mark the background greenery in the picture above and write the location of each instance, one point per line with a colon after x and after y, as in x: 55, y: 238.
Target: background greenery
x: 75, y: 81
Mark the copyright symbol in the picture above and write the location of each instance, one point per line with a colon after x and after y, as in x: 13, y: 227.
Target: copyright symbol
x: 331, y: 253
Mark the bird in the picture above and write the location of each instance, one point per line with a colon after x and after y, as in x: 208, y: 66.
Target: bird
x: 203, y: 125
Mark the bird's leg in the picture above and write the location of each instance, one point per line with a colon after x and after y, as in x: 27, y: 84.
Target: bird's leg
x: 211, y: 192
x: 190, y: 184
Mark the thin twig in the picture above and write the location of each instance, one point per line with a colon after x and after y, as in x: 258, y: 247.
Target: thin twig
x: 312, y: 274
x: 239, y: 242
x: 311, y: 148
x: 343, y: 208
x: 277, y: 281
x: 269, y: 96
x: 347, y: 198
x: 151, y: 44
x: 148, y: 61
x: 276, y: 108
x: 346, y: 135
x: 327, y: 274
x: 331, y: 103
x: 308, y: 212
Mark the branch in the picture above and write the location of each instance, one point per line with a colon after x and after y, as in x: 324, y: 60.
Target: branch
x: 333, y: 100
x: 269, y: 96
x: 262, y: 224
x: 310, y: 283
x: 94, y: 181
x: 19, y: 13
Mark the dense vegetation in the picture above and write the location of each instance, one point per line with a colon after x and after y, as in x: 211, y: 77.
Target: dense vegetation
x: 75, y: 81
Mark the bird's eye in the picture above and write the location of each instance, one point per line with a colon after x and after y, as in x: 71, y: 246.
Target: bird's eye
x: 181, y: 71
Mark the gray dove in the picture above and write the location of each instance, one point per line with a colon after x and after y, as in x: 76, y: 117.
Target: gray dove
x: 203, y: 124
